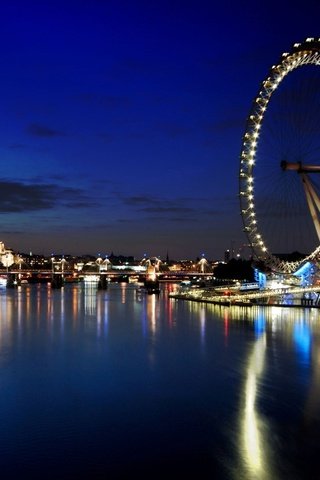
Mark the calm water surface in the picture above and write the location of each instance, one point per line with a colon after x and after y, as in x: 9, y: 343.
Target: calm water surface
x: 116, y: 384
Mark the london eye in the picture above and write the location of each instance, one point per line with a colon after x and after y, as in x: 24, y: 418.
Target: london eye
x: 279, y: 178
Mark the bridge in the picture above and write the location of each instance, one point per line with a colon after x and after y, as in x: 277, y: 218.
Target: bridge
x: 121, y: 274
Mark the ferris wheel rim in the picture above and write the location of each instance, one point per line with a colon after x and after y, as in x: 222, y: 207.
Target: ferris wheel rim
x: 305, y: 53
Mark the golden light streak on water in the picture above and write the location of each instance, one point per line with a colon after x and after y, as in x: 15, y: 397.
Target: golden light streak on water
x: 252, y: 436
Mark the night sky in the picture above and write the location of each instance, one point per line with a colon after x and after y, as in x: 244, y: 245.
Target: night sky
x: 122, y: 122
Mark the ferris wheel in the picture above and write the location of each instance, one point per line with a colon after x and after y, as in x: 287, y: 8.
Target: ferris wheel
x: 279, y: 176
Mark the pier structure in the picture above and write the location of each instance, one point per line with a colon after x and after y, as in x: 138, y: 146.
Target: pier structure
x: 290, y: 296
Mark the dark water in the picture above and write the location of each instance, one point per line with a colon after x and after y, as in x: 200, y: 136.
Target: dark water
x: 119, y: 384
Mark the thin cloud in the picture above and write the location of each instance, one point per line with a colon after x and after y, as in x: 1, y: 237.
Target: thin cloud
x: 43, y: 131
x: 138, y: 200
x: 17, y: 146
x: 20, y: 197
x: 175, y: 130
x: 167, y: 209
x: 160, y: 206
x: 183, y: 209
x: 104, y: 101
x: 223, y: 125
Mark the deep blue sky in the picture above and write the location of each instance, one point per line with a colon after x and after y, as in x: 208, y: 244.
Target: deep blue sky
x: 121, y: 122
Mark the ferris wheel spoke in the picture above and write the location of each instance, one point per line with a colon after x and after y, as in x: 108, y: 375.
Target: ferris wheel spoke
x: 313, y: 202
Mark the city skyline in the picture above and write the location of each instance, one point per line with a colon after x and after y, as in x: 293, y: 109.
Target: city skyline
x: 122, y: 122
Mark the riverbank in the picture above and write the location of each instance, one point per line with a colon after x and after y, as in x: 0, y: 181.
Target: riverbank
x: 242, y: 303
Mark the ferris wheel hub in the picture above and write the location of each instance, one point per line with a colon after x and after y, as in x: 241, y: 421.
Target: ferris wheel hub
x: 299, y: 167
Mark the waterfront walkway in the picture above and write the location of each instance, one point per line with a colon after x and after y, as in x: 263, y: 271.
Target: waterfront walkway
x: 300, y: 296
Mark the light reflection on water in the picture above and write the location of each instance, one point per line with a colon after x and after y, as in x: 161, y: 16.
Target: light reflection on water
x: 253, y: 444
x: 265, y: 450
x: 132, y: 383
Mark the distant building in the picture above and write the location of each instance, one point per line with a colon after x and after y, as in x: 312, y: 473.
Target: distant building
x: 7, y: 256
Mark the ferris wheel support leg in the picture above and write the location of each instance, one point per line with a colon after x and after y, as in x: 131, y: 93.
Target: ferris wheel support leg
x: 313, y: 201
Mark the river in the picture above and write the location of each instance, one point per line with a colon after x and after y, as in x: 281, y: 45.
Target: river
x: 119, y: 384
